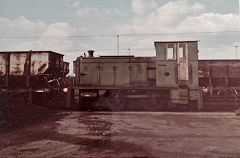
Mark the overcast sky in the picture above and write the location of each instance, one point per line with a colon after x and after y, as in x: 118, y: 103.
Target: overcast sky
x: 72, y: 27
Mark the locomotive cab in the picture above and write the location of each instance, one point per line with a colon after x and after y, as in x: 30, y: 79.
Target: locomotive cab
x: 176, y: 67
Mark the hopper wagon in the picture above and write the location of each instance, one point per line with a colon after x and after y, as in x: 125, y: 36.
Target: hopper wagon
x: 32, y: 76
x: 220, y: 83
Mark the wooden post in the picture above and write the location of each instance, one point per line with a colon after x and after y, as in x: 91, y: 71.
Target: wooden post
x: 210, y: 78
x: 200, y: 99
x: 30, y: 97
x: 8, y: 70
x: 28, y: 69
x: 70, y: 95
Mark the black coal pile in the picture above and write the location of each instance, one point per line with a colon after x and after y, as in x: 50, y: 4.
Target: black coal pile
x: 13, y: 115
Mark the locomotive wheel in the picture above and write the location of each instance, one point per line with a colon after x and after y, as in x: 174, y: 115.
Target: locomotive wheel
x: 182, y: 107
x: 178, y: 107
x: 153, y: 104
x: 134, y: 104
x: 193, y: 105
x: 172, y: 107
x: 120, y: 104
x: 164, y: 103
x: 114, y: 103
x: 100, y: 104
x: 110, y: 101
x: 87, y: 104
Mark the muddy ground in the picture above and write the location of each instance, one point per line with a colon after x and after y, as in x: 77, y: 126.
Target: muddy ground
x: 15, y: 114
x: 126, y: 134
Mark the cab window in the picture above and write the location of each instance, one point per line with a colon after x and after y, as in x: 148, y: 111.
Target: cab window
x: 181, y: 51
x: 170, y: 52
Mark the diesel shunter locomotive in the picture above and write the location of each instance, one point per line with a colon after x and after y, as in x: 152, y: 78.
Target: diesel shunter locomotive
x: 167, y: 81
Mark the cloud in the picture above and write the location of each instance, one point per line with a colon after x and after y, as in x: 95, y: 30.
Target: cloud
x: 76, y: 4
x: 163, y: 17
x: 141, y: 6
x: 24, y: 27
x: 58, y: 29
x: 181, y: 17
x: 20, y: 25
x: 210, y: 22
x: 138, y: 7
x: 88, y: 12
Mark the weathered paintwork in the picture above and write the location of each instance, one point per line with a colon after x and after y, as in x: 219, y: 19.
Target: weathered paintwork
x: 220, y: 80
x: 39, y: 62
x: 193, y: 64
x: 114, y: 71
x: 170, y: 72
x: 18, y: 63
x: 174, y: 75
x: 66, y: 68
x: 26, y: 69
x: 3, y: 63
x: 219, y: 68
x: 217, y: 73
x: 179, y: 72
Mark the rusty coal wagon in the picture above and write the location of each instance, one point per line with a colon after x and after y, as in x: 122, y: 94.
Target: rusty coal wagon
x: 167, y: 81
x: 30, y: 75
x: 220, y: 82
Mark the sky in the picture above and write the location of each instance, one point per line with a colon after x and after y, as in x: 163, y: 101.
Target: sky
x: 72, y: 27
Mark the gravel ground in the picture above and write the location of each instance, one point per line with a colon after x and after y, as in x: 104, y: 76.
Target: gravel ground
x: 126, y: 134
x: 19, y: 115
x: 15, y: 115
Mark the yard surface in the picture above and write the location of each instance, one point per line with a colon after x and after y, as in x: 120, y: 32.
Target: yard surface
x: 126, y: 134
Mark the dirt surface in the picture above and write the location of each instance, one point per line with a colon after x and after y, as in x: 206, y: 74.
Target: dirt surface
x: 126, y: 134
x: 21, y: 115
x: 14, y: 114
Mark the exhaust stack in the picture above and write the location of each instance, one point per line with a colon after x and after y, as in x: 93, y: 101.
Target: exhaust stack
x: 90, y: 53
